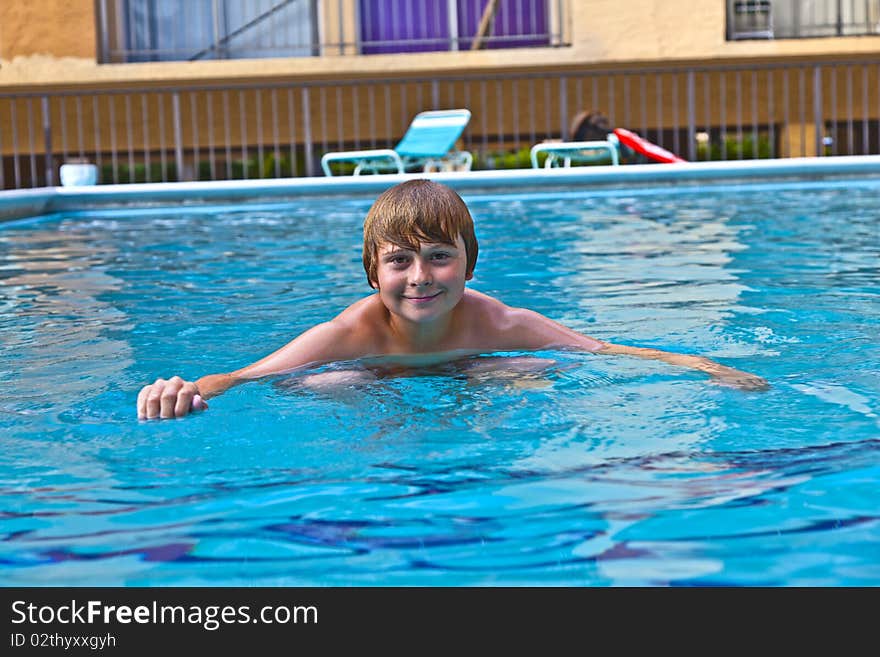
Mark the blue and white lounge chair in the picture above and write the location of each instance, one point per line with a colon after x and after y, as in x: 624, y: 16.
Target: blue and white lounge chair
x: 428, y: 142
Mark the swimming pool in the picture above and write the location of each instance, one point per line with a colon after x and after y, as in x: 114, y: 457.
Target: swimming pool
x: 589, y: 471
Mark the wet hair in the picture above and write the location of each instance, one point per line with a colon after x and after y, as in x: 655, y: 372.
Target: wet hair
x: 414, y: 212
x: 590, y: 126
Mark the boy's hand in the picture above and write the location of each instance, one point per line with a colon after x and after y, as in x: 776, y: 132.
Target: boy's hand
x: 727, y: 376
x: 721, y: 374
x: 166, y: 399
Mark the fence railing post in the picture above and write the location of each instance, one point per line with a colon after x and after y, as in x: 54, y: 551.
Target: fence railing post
x: 818, y: 121
x: 315, y: 33
x: 452, y: 20
x: 563, y: 108
x: 307, y: 133
x: 47, y: 142
x: 340, y: 14
x: 215, y: 26
x: 692, y: 117
x: 178, y: 136
x: 105, y: 34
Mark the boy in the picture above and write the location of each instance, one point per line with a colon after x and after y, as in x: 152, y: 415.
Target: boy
x: 419, y: 250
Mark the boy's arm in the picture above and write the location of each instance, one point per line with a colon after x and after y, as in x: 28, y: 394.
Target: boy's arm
x: 535, y: 331
x: 176, y: 397
x: 720, y: 373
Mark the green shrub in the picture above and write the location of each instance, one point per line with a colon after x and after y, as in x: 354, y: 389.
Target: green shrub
x: 520, y: 159
x: 735, y: 149
x: 253, y: 167
x: 125, y: 174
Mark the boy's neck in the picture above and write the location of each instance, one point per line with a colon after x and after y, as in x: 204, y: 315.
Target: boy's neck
x: 422, y: 337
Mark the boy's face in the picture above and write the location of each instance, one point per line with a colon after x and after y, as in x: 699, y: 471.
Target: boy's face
x: 422, y: 286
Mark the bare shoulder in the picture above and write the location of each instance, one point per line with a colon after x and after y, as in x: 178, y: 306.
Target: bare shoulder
x: 362, y: 323
x: 489, y: 309
x: 481, y: 301
x: 358, y: 312
x: 521, y: 328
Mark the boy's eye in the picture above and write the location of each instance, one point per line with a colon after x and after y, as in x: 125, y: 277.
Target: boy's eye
x: 399, y: 260
x: 440, y: 256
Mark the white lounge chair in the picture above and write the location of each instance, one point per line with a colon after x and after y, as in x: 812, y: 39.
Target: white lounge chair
x: 564, y: 153
x: 428, y: 142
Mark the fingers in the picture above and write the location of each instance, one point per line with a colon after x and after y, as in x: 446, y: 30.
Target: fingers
x: 756, y: 383
x: 747, y: 381
x: 142, y: 402
x: 183, y: 399
x: 167, y: 399
x: 742, y: 380
x: 153, y: 401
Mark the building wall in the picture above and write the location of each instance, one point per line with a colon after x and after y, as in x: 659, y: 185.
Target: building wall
x: 53, y: 29
x: 53, y: 43
x: 611, y: 65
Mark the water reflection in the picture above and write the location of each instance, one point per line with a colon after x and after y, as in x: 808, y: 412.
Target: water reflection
x: 57, y: 343
x: 592, y: 470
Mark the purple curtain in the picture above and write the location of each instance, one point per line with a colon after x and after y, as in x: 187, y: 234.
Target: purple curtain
x: 517, y: 24
x: 389, y: 26
x: 403, y: 26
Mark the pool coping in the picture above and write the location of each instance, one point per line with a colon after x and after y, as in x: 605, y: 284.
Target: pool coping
x: 20, y: 204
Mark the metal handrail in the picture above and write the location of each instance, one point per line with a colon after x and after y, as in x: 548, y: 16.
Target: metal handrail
x: 358, y: 27
x: 286, y: 126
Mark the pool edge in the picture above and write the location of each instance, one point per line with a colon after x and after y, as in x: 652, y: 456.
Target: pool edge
x: 20, y: 204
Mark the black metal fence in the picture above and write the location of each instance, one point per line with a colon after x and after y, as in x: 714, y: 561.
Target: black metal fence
x: 279, y: 130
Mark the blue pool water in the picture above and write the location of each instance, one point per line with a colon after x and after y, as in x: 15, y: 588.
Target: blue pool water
x: 588, y: 471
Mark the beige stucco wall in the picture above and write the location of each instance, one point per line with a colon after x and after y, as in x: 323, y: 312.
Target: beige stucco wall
x: 59, y: 29
x: 53, y: 48
x: 52, y: 43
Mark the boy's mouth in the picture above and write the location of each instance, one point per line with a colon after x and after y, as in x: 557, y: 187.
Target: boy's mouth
x: 424, y: 298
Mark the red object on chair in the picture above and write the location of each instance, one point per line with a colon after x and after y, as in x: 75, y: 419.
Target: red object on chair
x: 645, y: 147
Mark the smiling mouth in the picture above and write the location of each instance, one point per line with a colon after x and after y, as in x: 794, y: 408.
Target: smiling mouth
x: 424, y: 299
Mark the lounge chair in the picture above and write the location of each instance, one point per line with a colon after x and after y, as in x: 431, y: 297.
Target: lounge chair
x: 594, y: 152
x: 428, y: 142
x: 564, y: 153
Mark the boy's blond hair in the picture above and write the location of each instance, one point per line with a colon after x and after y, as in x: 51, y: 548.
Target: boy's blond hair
x: 414, y: 212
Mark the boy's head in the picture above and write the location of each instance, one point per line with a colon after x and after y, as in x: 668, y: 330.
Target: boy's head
x: 414, y: 212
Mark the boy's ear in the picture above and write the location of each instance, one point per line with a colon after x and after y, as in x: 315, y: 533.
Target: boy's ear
x: 469, y: 276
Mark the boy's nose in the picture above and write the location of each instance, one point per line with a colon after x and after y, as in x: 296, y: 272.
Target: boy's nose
x: 420, y: 276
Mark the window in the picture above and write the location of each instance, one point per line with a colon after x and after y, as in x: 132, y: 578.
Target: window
x: 391, y: 26
x: 192, y: 30
x: 789, y: 19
